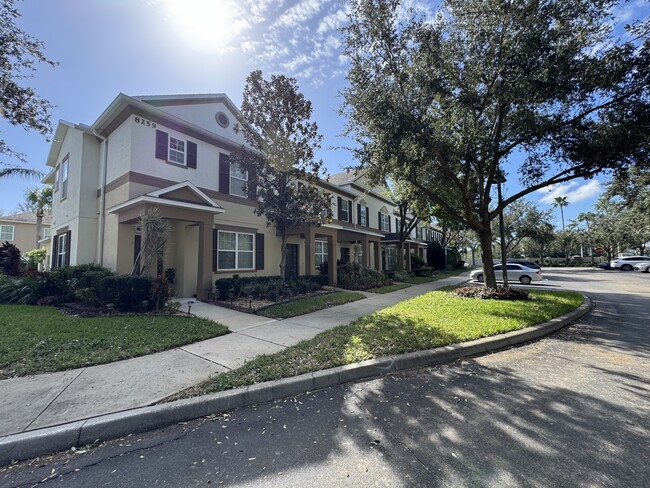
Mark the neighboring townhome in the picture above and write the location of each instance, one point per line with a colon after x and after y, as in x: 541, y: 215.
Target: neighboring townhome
x: 20, y: 229
x: 172, y: 153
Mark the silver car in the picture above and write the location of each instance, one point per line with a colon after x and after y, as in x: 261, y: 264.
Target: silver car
x: 627, y: 263
x: 644, y: 267
x: 523, y: 274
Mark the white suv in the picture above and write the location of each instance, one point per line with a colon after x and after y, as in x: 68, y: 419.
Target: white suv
x: 627, y: 263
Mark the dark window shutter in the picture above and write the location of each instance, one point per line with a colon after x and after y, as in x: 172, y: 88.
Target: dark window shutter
x: 224, y: 173
x: 215, y: 236
x: 379, y: 220
x: 67, y: 247
x: 161, y: 145
x: 339, y: 202
x: 389, y: 230
x: 191, y: 155
x: 367, y: 217
x: 359, y: 213
x: 252, y: 187
x: 55, y: 251
x: 350, y: 207
x: 259, y: 251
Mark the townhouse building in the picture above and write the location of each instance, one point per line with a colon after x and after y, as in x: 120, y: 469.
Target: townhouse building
x: 20, y: 229
x: 172, y: 153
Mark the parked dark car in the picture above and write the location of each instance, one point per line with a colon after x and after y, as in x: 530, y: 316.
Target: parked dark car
x: 604, y: 265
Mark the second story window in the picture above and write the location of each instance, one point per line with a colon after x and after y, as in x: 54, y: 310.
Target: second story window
x: 238, y: 180
x: 345, y: 209
x: 363, y: 216
x: 176, y: 150
x: 6, y: 233
x: 64, y: 179
x: 384, y: 222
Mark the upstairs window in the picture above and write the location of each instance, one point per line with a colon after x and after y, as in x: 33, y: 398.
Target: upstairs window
x: 384, y: 222
x: 363, y: 216
x: 6, y: 233
x: 64, y: 179
x: 176, y: 150
x: 238, y: 180
x: 344, y: 211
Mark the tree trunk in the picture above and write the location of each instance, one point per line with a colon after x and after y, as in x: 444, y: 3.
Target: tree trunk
x: 283, y: 257
x: 400, y: 255
x: 39, y: 227
x: 485, y: 236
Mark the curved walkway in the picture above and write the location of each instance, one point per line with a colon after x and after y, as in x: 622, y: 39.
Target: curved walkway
x: 34, y: 402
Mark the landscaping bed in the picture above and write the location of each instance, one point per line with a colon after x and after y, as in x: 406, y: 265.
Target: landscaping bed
x: 293, y: 308
x: 432, y: 320
x: 43, y: 339
x: 389, y: 288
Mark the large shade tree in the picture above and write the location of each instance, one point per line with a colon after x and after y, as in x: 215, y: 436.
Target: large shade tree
x: 19, y: 104
x: 282, y: 167
x: 536, y: 89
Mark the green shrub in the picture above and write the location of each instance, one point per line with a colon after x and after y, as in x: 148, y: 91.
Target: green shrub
x: 86, y: 295
x: 435, y: 255
x: 353, y: 276
x: 258, y: 286
x: 160, y: 291
x: 499, y: 293
x: 126, y: 292
x: 417, y: 262
x: 424, y: 271
x: 401, y: 275
x: 454, y: 260
x: 34, y: 257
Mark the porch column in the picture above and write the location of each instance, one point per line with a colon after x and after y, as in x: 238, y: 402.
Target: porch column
x: 408, y: 257
x: 331, y: 260
x: 365, y: 254
x: 378, y: 256
x: 309, y: 251
x: 204, y: 274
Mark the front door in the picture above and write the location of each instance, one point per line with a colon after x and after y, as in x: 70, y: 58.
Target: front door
x: 291, y: 266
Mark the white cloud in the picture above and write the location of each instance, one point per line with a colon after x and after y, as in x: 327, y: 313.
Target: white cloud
x: 299, y: 13
x: 573, y: 191
x: 332, y: 21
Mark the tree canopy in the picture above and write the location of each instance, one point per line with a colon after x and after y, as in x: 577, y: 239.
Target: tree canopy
x: 19, y: 104
x: 282, y: 167
x: 539, y: 89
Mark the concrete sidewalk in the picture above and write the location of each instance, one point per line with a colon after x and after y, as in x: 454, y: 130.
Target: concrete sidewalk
x: 34, y: 402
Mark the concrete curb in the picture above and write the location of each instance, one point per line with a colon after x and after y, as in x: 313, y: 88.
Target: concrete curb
x: 27, y: 445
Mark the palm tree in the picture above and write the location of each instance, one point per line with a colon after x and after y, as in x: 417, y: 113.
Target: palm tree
x: 19, y: 171
x: 39, y: 200
x: 561, y: 202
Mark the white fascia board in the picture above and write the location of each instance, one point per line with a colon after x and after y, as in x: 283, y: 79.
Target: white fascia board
x: 185, y: 184
x: 167, y: 203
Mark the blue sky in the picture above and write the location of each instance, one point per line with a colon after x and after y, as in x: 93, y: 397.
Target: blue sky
x: 148, y: 47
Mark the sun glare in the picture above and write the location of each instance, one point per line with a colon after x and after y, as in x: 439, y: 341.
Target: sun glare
x: 210, y: 25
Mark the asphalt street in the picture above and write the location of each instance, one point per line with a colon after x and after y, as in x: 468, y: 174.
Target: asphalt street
x: 572, y: 409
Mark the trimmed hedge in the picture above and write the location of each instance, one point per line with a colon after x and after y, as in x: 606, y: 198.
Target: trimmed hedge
x: 267, y: 285
x: 353, y: 276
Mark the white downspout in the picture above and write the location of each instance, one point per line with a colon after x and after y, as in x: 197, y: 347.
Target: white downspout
x: 102, y: 198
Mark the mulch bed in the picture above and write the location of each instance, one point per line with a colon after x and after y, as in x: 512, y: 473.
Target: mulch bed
x: 254, y: 306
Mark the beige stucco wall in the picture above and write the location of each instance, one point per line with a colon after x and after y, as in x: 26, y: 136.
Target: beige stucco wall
x: 203, y: 115
x: 24, y: 234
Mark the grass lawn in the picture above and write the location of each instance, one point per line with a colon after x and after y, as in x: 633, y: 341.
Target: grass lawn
x: 311, y: 304
x: 432, y: 320
x: 389, y: 288
x: 42, y: 339
x: 438, y: 275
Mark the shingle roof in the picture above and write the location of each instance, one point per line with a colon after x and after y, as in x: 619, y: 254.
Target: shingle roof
x: 28, y: 217
x: 343, y: 177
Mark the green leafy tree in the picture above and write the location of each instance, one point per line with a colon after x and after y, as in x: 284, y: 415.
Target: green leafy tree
x: 522, y: 219
x: 156, y: 233
x: 447, y: 104
x: 39, y: 201
x: 19, y: 104
x: 282, y: 166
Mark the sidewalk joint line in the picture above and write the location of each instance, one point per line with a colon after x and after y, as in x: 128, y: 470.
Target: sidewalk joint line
x: 54, y: 399
x: 204, y: 358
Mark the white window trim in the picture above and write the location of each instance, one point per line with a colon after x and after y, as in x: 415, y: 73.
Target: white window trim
x: 2, y: 230
x: 345, y: 208
x: 236, y: 250
x: 322, y: 252
x: 363, y: 217
x: 384, y: 222
x: 61, y: 255
x: 245, y: 180
x: 65, y: 171
x: 170, y: 149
